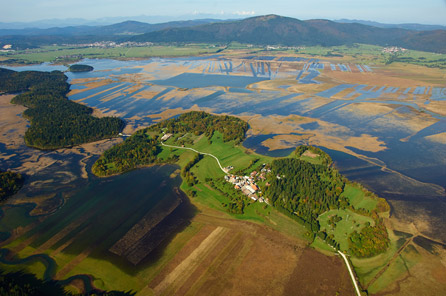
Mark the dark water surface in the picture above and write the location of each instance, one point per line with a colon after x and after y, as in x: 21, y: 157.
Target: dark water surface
x: 412, y: 159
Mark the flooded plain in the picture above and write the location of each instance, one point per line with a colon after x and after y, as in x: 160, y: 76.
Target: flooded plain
x: 390, y: 136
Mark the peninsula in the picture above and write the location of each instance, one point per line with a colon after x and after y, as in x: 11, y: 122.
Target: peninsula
x: 305, y: 186
x: 56, y: 122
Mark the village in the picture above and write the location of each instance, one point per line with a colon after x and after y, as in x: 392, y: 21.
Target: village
x: 247, y: 184
x: 393, y: 49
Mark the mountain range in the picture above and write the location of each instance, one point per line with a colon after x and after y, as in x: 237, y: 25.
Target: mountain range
x: 261, y: 30
x: 273, y: 29
x: 123, y: 28
x: 408, y: 26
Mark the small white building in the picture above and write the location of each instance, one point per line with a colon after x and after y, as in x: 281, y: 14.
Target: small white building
x: 166, y: 137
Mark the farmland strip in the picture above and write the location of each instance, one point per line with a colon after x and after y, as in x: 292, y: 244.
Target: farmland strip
x: 191, y: 262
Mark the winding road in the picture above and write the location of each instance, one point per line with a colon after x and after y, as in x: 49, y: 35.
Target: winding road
x: 204, y: 153
x: 352, y: 275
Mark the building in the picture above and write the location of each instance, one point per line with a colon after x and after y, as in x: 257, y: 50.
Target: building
x: 166, y: 137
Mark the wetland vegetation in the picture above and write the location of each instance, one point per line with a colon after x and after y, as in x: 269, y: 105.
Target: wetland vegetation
x: 349, y: 221
x: 143, y: 147
x: 304, y: 186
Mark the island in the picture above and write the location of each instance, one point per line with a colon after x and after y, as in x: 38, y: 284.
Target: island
x: 80, y: 68
x: 56, y: 122
x: 305, y: 186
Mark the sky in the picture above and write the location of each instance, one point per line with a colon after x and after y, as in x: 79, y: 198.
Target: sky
x: 386, y: 11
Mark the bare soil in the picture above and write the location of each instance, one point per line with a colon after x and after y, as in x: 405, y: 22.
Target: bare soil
x: 231, y: 257
x: 317, y: 274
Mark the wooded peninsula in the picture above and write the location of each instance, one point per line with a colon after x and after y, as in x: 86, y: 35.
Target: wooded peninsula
x: 304, y: 186
x: 56, y: 122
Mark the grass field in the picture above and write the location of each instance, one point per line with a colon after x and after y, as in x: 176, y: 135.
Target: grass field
x: 367, y: 268
x: 357, y: 197
x: 408, y: 258
x: 55, y: 53
x: 349, y: 223
x: 214, y: 241
x: 356, y: 53
x: 207, y: 167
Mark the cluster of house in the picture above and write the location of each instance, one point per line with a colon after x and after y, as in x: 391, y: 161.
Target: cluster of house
x: 112, y: 44
x: 247, y: 184
x: 276, y: 47
x: 393, y: 49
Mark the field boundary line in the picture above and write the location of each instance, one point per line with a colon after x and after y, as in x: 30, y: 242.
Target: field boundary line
x: 384, y: 269
x: 175, y: 279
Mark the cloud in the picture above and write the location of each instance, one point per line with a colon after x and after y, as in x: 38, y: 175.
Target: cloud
x: 243, y: 12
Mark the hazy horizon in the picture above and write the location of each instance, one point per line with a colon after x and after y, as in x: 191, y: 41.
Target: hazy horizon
x: 391, y: 12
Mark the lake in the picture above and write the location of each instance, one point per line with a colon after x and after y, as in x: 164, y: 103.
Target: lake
x: 411, y: 166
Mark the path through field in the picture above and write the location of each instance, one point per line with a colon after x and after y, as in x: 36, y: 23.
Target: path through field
x: 204, y: 153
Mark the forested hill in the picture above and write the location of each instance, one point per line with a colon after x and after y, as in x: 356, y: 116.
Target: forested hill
x: 273, y: 29
x: 305, y: 191
x: 261, y: 30
x: 198, y: 122
x: 56, y: 122
x: 142, y: 149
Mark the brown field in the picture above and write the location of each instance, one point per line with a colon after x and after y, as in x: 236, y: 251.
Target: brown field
x: 12, y: 127
x: 230, y: 257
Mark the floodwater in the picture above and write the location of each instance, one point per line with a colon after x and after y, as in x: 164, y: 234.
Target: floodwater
x: 411, y: 167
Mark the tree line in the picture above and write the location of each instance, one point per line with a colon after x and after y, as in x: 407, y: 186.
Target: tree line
x: 10, y: 183
x: 80, y: 68
x: 137, y: 150
x: 198, y: 122
x: 141, y: 149
x: 326, y: 159
x: 56, y: 121
x: 370, y: 241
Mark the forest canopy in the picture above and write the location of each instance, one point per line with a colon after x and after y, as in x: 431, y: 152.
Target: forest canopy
x: 141, y: 149
x: 305, y: 190
x: 10, y: 183
x: 80, y: 68
x: 56, y: 121
x: 198, y: 122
